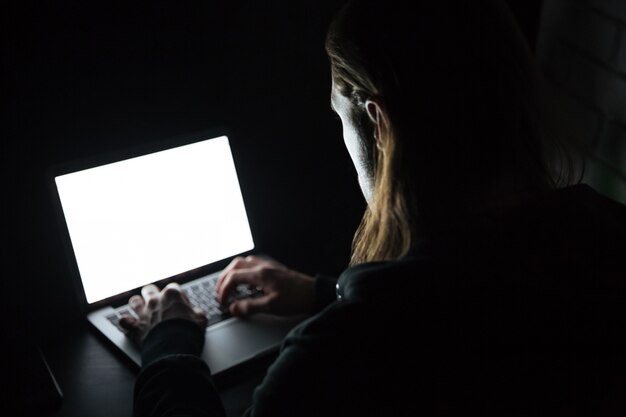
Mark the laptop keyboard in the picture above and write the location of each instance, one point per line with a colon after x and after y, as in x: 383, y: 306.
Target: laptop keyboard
x: 201, y: 294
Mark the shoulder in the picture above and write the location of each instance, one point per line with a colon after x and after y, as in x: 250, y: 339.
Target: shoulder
x: 380, y: 281
x: 366, y: 294
x: 385, y: 294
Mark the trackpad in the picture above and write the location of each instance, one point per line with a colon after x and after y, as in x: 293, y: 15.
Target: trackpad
x: 237, y: 340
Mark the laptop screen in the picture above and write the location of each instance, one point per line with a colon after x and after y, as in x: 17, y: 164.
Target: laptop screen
x: 155, y: 216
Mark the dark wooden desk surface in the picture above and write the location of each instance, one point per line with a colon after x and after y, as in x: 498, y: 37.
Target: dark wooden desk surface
x: 96, y: 382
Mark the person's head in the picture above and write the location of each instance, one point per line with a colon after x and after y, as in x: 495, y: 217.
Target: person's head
x: 437, y: 107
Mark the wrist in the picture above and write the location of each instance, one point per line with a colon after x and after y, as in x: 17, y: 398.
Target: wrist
x: 172, y: 336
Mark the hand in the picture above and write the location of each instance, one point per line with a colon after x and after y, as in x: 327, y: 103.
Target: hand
x: 154, y: 306
x: 285, y: 292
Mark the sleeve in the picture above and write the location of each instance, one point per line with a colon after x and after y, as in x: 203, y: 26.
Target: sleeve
x: 305, y: 378
x: 289, y: 387
x: 325, y: 291
x: 174, y: 381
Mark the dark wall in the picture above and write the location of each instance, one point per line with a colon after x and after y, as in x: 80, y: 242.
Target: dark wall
x: 528, y: 15
x: 85, y: 77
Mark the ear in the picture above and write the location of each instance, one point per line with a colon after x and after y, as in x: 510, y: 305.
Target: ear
x: 374, y: 111
x: 377, y: 116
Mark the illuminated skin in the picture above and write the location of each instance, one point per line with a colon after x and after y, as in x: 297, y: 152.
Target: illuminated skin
x: 354, y: 140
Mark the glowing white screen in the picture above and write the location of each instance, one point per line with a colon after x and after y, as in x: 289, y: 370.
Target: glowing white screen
x: 155, y: 216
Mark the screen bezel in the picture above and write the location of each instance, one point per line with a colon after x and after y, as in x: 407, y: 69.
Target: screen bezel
x: 100, y: 159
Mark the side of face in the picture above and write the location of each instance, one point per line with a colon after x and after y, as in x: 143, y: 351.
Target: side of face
x: 358, y: 140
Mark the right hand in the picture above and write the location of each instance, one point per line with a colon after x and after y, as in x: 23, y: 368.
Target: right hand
x: 285, y: 292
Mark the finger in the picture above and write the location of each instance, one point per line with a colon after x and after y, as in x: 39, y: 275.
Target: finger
x: 201, y: 317
x: 183, y: 294
x: 176, y: 287
x: 129, y: 323
x: 148, y: 291
x: 172, y: 293
x: 255, y: 260
x: 238, y: 262
x: 136, y: 303
x: 248, y: 306
x: 150, y: 295
x: 236, y: 277
x: 265, y: 261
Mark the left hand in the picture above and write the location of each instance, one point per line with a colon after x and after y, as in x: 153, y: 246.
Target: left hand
x: 154, y: 306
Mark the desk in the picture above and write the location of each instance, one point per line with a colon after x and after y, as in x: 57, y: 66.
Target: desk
x: 96, y: 382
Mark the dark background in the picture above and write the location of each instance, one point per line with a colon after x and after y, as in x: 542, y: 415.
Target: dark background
x: 93, y: 77
x: 84, y: 77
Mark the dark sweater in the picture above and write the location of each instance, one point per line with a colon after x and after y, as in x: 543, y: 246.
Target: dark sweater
x: 521, y: 311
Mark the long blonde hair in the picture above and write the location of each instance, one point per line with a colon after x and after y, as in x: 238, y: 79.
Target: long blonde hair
x: 456, y: 83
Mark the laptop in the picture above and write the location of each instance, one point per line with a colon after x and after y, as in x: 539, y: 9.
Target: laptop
x: 172, y: 211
